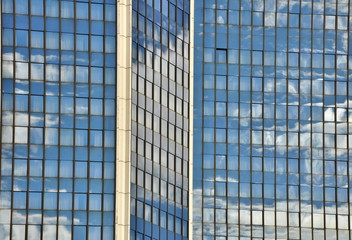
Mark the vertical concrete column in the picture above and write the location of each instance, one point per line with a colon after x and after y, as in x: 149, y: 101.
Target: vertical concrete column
x: 191, y: 89
x: 123, y: 119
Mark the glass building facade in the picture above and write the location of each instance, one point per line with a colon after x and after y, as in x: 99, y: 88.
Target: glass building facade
x: 160, y: 119
x: 58, y: 119
x: 272, y: 119
x: 61, y: 80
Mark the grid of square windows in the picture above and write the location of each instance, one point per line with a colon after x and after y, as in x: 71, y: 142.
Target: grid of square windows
x: 160, y: 119
x: 273, y: 122
x: 58, y: 119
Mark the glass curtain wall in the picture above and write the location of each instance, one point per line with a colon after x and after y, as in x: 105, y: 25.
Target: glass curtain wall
x: 272, y: 119
x: 160, y: 119
x: 58, y: 119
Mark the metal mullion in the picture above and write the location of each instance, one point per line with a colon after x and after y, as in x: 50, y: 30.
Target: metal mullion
x: 215, y: 116
x: 188, y: 87
x: 251, y: 127
x: 89, y: 110
x: 202, y: 119
x: 59, y: 128
x: 226, y: 127
x: 262, y: 123
x: 28, y: 116
x: 335, y: 126
x: 202, y: 151
x: 287, y: 128
x: 134, y: 167
x: 145, y: 113
x: 311, y: 121
x: 287, y: 125
x: 348, y: 125
x: 323, y: 121
x: 299, y: 125
x: 103, y: 130
x: 44, y: 116
x: 13, y: 111
x: 239, y: 122
x: 74, y: 120
x: 275, y: 120
x: 116, y: 107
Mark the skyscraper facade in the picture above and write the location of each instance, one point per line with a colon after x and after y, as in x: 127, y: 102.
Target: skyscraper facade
x: 160, y: 119
x: 94, y: 119
x: 272, y: 119
x: 58, y: 119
